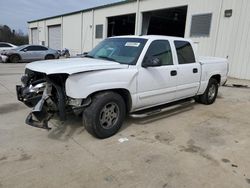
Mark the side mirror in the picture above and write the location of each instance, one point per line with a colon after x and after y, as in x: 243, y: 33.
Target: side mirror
x: 25, y: 50
x: 151, y: 62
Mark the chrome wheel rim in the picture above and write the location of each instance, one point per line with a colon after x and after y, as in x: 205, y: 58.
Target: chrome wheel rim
x: 109, y: 115
x: 211, y: 92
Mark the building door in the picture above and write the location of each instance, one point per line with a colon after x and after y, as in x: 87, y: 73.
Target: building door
x: 121, y: 25
x: 170, y: 22
x: 54, y: 33
x: 34, y: 36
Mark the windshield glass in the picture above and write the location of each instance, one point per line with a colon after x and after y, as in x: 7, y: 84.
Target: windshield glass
x: 121, y: 50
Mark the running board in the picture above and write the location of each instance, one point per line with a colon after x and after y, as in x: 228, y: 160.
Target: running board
x: 161, y: 109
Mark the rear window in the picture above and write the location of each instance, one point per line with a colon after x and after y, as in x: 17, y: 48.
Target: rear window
x: 185, y: 52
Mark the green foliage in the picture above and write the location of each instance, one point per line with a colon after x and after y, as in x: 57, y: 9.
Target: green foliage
x: 6, y: 35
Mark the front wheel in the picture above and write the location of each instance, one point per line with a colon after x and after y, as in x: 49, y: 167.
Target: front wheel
x: 14, y: 58
x: 104, y: 117
x: 210, y: 94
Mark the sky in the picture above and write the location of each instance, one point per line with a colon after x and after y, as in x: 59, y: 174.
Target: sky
x: 16, y: 13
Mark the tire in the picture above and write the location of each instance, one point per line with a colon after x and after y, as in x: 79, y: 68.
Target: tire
x: 210, y: 94
x: 105, y: 115
x: 14, y: 58
x: 50, y: 56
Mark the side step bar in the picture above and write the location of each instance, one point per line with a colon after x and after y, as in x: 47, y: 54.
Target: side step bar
x: 162, y: 108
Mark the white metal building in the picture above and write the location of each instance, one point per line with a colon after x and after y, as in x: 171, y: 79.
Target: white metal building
x: 218, y: 27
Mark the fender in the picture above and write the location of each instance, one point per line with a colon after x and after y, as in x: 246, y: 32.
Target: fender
x: 81, y: 85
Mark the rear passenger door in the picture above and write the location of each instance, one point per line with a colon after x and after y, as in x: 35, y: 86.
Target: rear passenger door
x: 189, y: 71
x: 40, y: 52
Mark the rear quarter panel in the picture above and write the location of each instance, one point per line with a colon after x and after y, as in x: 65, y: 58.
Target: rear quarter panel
x: 212, y: 66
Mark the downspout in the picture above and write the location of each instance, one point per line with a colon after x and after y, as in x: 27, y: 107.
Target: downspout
x: 81, y: 32
x: 38, y: 30
x: 218, y: 27
x: 137, y: 17
x: 61, y: 32
x: 92, y: 28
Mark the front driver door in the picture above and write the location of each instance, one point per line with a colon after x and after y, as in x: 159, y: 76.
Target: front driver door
x: 157, y: 85
x: 28, y: 53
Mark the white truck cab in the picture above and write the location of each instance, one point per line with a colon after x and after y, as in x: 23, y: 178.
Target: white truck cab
x: 121, y: 75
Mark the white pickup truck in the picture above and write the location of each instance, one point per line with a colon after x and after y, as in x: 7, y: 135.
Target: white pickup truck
x: 120, y: 76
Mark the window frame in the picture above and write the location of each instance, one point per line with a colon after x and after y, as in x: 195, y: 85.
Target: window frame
x: 192, y: 49
x: 99, y: 35
x: 42, y: 48
x: 5, y: 45
x: 171, y: 50
x: 198, y: 35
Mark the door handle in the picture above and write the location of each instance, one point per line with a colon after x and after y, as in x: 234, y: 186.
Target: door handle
x: 195, y: 70
x: 173, y: 73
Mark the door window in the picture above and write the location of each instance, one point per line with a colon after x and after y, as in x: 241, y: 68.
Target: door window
x: 35, y: 48
x: 29, y: 48
x: 160, y: 49
x: 185, y: 52
x: 4, y: 45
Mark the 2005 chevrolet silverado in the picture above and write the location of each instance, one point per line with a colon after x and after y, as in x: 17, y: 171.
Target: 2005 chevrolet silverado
x: 121, y: 75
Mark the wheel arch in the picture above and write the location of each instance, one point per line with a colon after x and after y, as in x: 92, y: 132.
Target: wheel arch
x: 217, y: 77
x: 20, y: 58
x: 49, y: 55
x: 125, y: 94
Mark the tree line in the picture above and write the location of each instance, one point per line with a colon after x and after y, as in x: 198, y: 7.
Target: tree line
x: 11, y: 36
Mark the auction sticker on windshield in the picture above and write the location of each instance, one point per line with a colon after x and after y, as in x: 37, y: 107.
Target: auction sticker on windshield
x: 132, y: 44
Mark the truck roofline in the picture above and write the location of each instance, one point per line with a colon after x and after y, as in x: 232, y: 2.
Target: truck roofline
x: 153, y: 37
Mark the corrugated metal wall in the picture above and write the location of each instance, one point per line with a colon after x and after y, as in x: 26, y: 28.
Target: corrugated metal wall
x: 233, y: 40
x: 229, y: 36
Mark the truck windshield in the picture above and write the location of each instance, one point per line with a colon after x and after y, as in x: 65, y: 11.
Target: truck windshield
x: 121, y: 50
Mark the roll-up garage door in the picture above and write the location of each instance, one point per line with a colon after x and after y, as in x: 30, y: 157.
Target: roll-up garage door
x: 34, y: 36
x: 55, y: 37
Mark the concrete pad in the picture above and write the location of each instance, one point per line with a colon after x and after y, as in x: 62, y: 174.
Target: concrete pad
x: 194, y: 146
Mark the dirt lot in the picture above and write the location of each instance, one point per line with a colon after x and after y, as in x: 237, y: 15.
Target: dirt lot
x: 196, y: 146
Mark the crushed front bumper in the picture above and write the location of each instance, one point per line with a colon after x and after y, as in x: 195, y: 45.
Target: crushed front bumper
x: 43, y: 106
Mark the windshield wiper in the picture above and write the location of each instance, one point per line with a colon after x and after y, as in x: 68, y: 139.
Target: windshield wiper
x: 89, y: 56
x: 107, y: 58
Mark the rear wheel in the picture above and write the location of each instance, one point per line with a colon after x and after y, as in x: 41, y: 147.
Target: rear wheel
x: 50, y: 56
x: 14, y: 58
x: 210, y: 94
x: 104, y: 117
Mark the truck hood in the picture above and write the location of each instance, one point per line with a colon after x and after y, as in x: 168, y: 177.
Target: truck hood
x: 73, y: 65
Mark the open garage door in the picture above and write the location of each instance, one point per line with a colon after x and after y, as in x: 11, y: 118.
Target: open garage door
x: 121, y: 25
x: 170, y: 22
x: 34, y: 36
x: 55, y: 37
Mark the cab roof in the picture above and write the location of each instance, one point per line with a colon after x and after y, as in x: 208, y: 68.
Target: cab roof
x: 153, y: 37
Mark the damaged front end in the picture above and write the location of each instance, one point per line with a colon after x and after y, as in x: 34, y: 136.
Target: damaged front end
x: 45, y: 94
